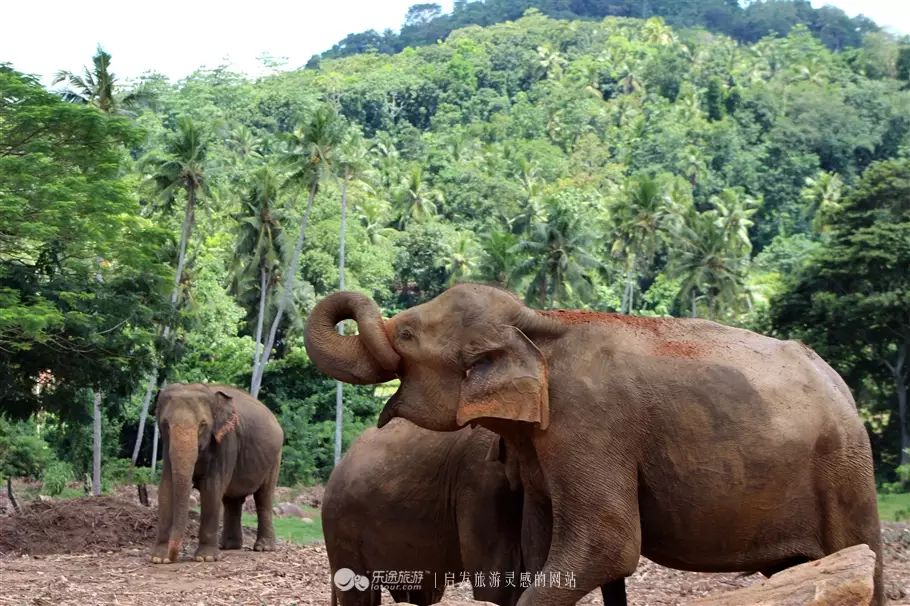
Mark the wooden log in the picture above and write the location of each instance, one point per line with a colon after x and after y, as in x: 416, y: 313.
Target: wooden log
x: 841, y: 579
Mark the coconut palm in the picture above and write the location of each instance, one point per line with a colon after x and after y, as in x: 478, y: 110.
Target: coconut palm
x: 351, y: 163
x: 712, y: 255
x: 177, y: 172
x: 416, y: 200
x: 498, y: 261
x: 309, y: 155
x: 822, y: 196
x: 557, y: 258
x: 640, y: 213
x: 97, y: 86
x: 256, y: 270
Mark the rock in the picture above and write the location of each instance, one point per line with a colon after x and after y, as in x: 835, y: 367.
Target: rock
x: 289, y: 509
x: 841, y: 579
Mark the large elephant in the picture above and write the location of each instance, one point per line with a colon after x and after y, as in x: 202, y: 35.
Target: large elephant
x: 701, y: 446
x: 227, y: 444
x: 405, y: 499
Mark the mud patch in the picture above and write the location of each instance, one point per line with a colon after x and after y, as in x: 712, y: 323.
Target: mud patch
x: 87, y: 525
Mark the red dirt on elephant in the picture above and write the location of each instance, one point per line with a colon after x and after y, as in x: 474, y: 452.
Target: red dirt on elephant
x: 575, y: 316
x: 677, y: 349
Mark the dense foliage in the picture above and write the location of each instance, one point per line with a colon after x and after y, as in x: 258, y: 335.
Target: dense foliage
x: 744, y: 21
x: 616, y: 164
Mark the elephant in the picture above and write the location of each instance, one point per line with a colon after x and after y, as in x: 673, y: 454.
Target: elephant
x: 407, y: 499
x: 227, y: 444
x: 698, y: 445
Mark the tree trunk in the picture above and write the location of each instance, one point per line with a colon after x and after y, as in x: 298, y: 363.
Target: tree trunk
x: 629, y: 293
x: 263, y: 301
x: 143, y: 415
x: 96, y: 444
x: 143, y: 492
x: 339, y: 386
x: 899, y: 370
x: 154, y: 450
x: 694, y: 305
x: 185, y: 231
x: 12, y: 497
x: 286, y: 292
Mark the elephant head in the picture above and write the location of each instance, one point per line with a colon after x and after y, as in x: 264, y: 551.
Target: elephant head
x: 193, y: 419
x: 463, y: 357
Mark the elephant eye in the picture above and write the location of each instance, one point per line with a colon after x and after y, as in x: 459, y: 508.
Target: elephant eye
x: 405, y: 334
x: 479, y: 363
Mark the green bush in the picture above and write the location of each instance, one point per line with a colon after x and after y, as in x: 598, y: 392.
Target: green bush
x: 55, y: 477
x: 23, y: 453
x: 114, y: 472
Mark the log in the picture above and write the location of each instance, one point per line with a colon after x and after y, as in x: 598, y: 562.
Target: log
x: 841, y: 579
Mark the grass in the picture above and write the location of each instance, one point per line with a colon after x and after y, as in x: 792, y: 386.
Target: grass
x: 291, y: 529
x: 894, y: 507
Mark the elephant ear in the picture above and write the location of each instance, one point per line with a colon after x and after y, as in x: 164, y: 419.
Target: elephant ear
x: 507, y: 379
x: 224, y: 415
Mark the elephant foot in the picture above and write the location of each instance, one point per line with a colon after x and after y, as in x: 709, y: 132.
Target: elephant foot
x: 163, y: 554
x: 264, y: 544
x: 231, y: 543
x: 207, y: 553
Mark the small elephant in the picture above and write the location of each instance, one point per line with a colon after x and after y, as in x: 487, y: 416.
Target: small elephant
x: 405, y: 499
x: 227, y: 444
x: 701, y: 446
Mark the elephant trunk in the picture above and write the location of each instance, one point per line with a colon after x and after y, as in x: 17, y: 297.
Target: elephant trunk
x: 363, y: 359
x: 182, y: 452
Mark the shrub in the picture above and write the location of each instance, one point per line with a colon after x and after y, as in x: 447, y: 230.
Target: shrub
x: 56, y: 476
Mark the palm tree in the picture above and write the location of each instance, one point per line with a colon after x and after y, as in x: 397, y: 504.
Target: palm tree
x: 179, y: 170
x: 259, y: 250
x: 96, y: 86
x: 822, y: 196
x: 558, y: 260
x: 373, y: 214
x: 351, y: 163
x: 640, y: 214
x: 713, y: 253
x: 309, y: 154
x: 498, y: 263
x: 464, y: 257
x: 416, y: 199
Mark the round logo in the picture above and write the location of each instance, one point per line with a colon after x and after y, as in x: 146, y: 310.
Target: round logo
x: 345, y: 580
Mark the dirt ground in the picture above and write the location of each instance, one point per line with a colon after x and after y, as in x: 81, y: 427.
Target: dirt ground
x: 95, y: 551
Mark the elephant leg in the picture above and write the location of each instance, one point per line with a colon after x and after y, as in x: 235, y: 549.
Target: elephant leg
x: 536, y: 530
x: 232, y: 530
x: 596, y: 535
x: 165, y: 515
x: 210, y: 493
x: 265, y: 532
x: 614, y: 593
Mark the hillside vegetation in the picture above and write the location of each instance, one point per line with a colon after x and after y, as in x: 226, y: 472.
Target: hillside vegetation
x: 618, y: 164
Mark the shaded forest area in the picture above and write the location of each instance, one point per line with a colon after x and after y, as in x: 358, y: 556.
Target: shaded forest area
x: 181, y: 231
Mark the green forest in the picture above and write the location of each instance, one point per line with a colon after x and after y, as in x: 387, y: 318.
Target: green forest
x: 746, y: 165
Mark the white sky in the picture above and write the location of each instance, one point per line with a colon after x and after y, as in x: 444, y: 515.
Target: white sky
x: 176, y: 37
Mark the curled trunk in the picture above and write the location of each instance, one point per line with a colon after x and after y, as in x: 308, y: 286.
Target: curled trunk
x: 363, y: 359
x: 182, y: 452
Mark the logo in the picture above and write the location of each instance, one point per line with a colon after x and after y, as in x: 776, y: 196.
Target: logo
x: 345, y: 580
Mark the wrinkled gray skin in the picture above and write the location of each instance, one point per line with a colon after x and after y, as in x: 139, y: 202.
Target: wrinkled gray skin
x: 698, y: 445
x: 227, y: 444
x: 407, y: 499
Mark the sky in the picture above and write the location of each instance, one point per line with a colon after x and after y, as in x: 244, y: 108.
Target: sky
x: 177, y: 37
